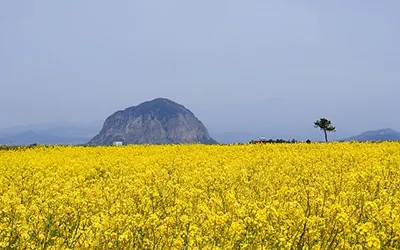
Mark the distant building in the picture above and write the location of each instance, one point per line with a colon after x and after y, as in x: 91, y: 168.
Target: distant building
x: 118, y: 143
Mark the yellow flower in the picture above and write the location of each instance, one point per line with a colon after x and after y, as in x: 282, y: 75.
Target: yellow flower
x: 113, y: 235
x: 201, y: 196
x: 373, y: 242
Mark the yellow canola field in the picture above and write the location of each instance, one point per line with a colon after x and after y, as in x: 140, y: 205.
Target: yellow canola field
x: 287, y: 196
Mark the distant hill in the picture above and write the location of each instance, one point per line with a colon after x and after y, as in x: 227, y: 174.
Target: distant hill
x: 49, y: 133
x: 160, y: 121
x: 376, y: 135
x: 30, y: 137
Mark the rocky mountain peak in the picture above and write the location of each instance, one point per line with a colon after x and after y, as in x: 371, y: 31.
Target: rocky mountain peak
x: 160, y: 121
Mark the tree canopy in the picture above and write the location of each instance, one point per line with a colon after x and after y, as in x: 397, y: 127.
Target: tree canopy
x: 325, y: 125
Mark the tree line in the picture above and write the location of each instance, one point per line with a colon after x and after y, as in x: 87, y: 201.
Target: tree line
x: 323, y: 124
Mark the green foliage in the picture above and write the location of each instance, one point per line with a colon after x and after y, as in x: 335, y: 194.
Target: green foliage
x: 325, y: 125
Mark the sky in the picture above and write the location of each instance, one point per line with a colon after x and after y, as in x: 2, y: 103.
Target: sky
x: 258, y: 66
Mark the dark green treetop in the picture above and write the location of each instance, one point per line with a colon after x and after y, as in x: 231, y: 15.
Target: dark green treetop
x: 326, y: 126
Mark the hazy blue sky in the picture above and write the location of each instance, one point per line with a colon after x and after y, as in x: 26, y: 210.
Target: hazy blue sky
x: 270, y: 67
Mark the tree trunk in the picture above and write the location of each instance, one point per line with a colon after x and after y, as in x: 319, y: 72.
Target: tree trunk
x: 326, y: 136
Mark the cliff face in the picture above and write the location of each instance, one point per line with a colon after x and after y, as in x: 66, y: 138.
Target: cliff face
x: 160, y: 121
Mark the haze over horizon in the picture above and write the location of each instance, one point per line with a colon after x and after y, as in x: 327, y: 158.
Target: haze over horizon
x: 269, y: 67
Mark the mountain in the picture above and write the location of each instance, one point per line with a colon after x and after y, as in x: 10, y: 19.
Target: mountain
x: 30, y: 137
x: 49, y: 133
x: 376, y: 135
x: 160, y: 121
x: 13, y: 130
x: 60, y: 128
